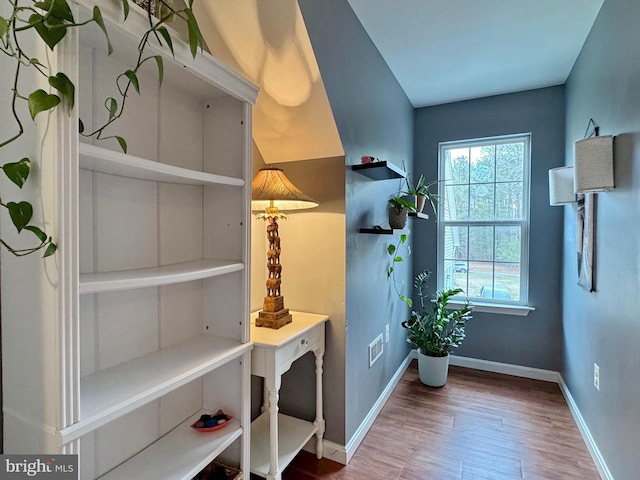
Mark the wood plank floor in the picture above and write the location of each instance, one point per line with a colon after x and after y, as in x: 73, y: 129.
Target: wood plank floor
x: 480, y: 426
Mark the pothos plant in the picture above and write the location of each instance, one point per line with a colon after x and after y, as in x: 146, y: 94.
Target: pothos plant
x: 395, y: 253
x: 50, y: 20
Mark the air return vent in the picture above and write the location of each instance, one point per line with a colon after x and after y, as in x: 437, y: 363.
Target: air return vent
x: 375, y: 350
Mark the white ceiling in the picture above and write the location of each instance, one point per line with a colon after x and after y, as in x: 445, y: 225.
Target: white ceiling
x: 443, y: 51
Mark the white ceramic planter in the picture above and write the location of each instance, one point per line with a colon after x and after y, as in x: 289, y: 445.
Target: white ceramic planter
x: 433, y: 370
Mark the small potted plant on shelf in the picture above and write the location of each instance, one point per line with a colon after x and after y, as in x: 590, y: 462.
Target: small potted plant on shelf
x: 435, y: 331
x: 399, y: 209
x: 420, y: 190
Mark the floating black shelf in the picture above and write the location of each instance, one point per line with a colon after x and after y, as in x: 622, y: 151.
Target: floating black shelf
x: 383, y: 231
x: 377, y: 231
x: 382, y: 170
x: 391, y: 231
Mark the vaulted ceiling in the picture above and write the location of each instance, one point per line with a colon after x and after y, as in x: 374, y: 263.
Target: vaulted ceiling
x: 440, y: 51
x: 443, y: 51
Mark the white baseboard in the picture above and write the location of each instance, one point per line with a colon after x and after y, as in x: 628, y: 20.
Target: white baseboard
x: 603, y: 470
x: 505, y: 368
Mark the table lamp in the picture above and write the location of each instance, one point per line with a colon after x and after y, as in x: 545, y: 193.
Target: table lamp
x: 272, y: 191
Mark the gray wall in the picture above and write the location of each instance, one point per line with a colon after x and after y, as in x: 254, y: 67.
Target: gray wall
x: 603, y: 326
x: 534, y: 340
x: 373, y: 117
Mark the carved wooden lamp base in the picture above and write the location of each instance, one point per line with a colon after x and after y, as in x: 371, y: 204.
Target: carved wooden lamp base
x: 272, y: 190
x: 274, y: 315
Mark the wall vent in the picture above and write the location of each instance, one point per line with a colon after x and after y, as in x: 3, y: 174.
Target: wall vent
x: 375, y: 350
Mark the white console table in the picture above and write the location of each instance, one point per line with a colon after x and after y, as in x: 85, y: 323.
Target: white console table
x: 276, y: 438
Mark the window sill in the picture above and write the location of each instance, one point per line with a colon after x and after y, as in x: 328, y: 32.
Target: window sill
x: 499, y: 308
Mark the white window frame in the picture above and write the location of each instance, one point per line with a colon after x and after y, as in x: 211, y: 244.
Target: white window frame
x: 512, y: 307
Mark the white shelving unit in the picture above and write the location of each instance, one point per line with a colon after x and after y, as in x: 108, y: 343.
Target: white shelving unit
x: 142, y: 324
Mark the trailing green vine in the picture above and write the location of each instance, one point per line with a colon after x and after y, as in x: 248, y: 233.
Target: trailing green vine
x: 50, y: 20
x: 394, y: 252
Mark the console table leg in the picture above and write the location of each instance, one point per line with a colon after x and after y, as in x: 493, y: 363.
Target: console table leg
x: 274, y: 474
x: 319, y: 423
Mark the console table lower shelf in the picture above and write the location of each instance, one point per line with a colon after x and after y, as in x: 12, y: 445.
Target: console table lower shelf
x: 293, y: 434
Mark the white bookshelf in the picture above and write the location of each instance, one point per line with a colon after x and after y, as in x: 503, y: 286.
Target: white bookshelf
x: 159, y: 459
x: 143, y: 313
x: 102, y: 160
x: 119, y: 390
x: 155, y: 276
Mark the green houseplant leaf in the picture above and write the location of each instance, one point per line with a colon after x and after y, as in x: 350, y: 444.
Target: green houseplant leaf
x: 133, y: 78
x: 37, y: 232
x: 97, y: 17
x: 65, y: 88
x: 160, y: 64
x: 125, y: 8
x: 56, y: 8
x: 51, y: 30
x: 51, y: 249
x: 20, y: 214
x: 41, y: 101
x: 4, y: 26
x: 167, y: 38
x: 18, y: 172
x: 195, y: 37
x: 123, y: 143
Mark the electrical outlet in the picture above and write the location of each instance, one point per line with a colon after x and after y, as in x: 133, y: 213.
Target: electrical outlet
x: 596, y: 376
x: 386, y: 333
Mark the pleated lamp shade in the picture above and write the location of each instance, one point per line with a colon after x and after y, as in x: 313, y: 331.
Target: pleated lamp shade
x: 561, y: 186
x: 593, y: 166
x: 271, y: 188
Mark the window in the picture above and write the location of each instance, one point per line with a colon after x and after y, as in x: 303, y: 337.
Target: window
x: 483, y: 228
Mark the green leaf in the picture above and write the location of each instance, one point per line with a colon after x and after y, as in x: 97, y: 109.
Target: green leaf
x: 125, y: 8
x: 123, y: 143
x: 18, y: 171
x: 41, y: 101
x: 398, y: 259
x: 20, y: 214
x: 403, y: 238
x: 112, y: 106
x: 195, y: 37
x: 65, y: 88
x: 133, y: 78
x: 391, y: 249
x: 59, y: 10
x: 389, y: 272
x: 167, y: 38
x: 80, y: 126
x: 97, y: 17
x: 4, y: 26
x: 51, y: 249
x: 37, y: 232
x: 160, y: 64
x: 35, y: 61
x: 51, y: 36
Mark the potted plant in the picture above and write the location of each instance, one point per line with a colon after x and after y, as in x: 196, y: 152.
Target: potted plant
x: 420, y: 190
x: 435, y: 331
x: 399, y: 209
